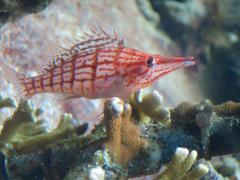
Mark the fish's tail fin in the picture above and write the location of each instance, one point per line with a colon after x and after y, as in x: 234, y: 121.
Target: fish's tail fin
x: 17, y: 79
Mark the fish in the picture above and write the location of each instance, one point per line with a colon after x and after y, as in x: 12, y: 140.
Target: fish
x: 99, y: 65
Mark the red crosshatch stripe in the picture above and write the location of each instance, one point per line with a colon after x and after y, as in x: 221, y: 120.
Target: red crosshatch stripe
x: 124, y: 51
x: 81, y: 81
x: 33, y: 84
x: 28, y: 84
x: 106, y: 69
x: 52, y: 76
x: 91, y: 66
x: 118, y: 50
x: 62, y: 80
x: 125, y: 57
x: 51, y: 79
x: 37, y: 80
x: 95, y: 64
x: 42, y: 85
x: 128, y: 52
x: 73, y: 73
x: 75, y: 66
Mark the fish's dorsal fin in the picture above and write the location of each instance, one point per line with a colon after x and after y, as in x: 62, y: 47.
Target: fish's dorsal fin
x: 55, y: 55
x: 88, y: 43
x: 96, y: 39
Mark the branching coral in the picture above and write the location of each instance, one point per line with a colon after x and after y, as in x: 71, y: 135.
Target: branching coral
x: 150, y: 106
x: 200, y: 114
x: 41, y: 141
x: 7, y: 102
x: 124, y: 139
x: 213, y: 124
x: 22, y: 115
x: 180, y: 168
x: 117, y: 150
x: 21, y: 133
x: 227, y: 166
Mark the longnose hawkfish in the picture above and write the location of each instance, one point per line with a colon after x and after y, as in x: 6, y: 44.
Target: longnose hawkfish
x: 99, y: 66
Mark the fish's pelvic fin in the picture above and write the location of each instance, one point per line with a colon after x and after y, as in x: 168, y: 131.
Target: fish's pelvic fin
x: 58, y: 99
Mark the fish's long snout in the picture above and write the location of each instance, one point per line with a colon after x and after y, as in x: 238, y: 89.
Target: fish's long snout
x: 188, y: 61
x: 185, y: 61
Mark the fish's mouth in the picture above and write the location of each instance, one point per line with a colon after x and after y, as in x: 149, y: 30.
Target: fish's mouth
x: 185, y: 61
x: 181, y: 61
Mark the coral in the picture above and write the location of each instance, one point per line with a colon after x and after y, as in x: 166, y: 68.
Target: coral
x: 227, y: 108
x: 22, y: 115
x: 150, y: 105
x: 201, y: 114
x: 124, y: 139
x: 96, y: 173
x: 204, y: 120
x: 120, y: 149
x: 21, y: 133
x: 227, y: 166
x: 211, y: 123
x: 212, y: 173
x: 208, y: 30
x: 41, y: 141
x: 99, y: 167
x: 180, y: 168
x: 186, y: 111
x: 7, y: 102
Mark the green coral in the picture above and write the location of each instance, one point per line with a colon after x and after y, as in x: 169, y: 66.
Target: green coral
x: 120, y: 147
x: 23, y: 133
x: 149, y: 107
x: 181, y: 167
x: 11, y: 126
x: 7, y: 102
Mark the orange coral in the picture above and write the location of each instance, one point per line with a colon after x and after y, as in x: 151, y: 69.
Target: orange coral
x: 124, y: 139
x: 227, y: 108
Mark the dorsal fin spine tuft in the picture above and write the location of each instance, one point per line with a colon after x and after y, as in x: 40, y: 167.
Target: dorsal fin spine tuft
x: 90, y: 42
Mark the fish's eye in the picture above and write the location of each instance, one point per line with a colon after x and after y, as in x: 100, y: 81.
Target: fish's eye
x: 151, y: 62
